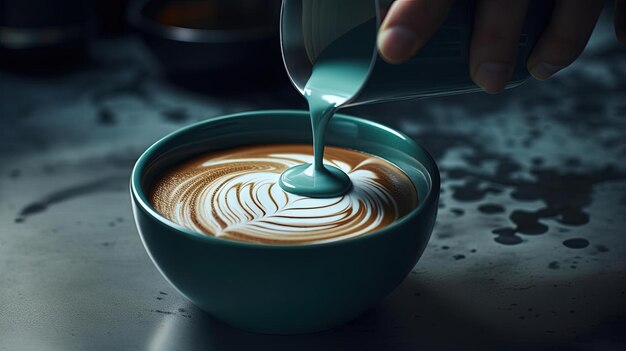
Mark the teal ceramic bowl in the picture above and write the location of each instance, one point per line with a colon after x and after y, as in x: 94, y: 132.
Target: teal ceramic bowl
x: 285, y: 289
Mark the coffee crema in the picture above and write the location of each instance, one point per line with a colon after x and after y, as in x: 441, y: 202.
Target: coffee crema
x: 233, y: 194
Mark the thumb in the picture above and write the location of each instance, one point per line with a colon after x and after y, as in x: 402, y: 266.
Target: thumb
x: 408, y: 25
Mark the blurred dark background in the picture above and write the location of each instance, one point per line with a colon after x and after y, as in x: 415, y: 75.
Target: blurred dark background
x: 191, y: 40
x: 528, y: 252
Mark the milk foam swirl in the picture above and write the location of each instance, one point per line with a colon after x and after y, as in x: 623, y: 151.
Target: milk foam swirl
x: 234, y: 194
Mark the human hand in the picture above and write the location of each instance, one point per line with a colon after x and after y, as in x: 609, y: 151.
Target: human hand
x: 410, y: 23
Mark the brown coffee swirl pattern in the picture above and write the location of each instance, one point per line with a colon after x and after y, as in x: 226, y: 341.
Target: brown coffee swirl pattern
x: 234, y: 194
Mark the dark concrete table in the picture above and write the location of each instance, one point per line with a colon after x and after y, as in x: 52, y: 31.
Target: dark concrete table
x: 528, y: 252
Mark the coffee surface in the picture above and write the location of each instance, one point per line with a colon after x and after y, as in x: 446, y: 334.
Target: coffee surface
x: 233, y: 194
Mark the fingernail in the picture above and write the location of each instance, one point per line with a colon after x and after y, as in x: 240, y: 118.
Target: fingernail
x: 397, y: 44
x: 543, y: 71
x: 492, y: 77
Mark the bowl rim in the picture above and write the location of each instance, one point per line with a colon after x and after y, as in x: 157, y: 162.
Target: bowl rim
x: 135, y: 16
x: 139, y: 196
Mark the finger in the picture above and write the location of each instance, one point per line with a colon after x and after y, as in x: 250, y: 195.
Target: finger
x: 408, y: 25
x: 495, y: 39
x: 565, y: 37
x: 620, y: 20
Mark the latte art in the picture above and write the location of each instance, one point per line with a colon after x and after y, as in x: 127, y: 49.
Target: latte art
x: 234, y: 194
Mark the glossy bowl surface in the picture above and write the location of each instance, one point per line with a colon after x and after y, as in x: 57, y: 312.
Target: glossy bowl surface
x: 285, y: 289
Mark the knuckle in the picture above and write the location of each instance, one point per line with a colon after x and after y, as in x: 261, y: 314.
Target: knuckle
x: 494, y: 36
x: 563, y: 49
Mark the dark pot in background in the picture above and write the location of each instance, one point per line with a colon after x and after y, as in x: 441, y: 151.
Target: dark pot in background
x: 235, y: 40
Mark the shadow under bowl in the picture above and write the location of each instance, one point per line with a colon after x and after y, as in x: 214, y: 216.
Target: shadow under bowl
x: 285, y: 289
